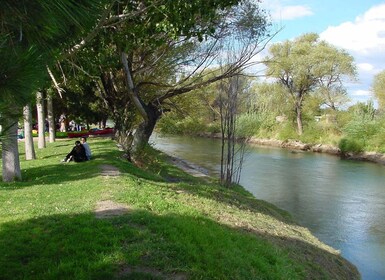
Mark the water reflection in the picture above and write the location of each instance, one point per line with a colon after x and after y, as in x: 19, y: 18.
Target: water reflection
x: 341, y: 202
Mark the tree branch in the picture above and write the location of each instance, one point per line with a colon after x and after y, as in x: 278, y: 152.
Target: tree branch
x: 133, y: 94
x: 58, y: 89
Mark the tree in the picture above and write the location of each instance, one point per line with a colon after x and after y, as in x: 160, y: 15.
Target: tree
x: 378, y: 89
x: 232, y: 148
x: 51, y: 118
x: 10, y: 152
x: 40, y: 119
x: 306, y: 65
x: 28, y: 139
x: 31, y: 33
x: 162, y: 52
x: 186, y: 57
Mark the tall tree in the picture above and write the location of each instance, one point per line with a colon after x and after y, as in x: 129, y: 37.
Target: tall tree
x: 378, y: 89
x: 31, y: 32
x: 185, y: 48
x: 305, y: 65
x: 10, y: 151
x: 40, y: 119
x: 51, y: 118
x: 28, y: 138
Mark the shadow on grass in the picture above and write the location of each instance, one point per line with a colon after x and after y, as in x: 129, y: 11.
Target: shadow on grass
x: 141, y: 245
x: 209, y: 188
x: 60, y: 172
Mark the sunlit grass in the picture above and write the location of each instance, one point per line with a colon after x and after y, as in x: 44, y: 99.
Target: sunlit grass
x: 191, y: 229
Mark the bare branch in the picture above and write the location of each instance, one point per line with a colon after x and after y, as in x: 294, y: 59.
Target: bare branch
x: 133, y: 94
x: 56, y: 85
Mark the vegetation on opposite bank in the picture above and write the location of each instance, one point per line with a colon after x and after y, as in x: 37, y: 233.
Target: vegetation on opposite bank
x: 160, y: 223
x: 353, y: 132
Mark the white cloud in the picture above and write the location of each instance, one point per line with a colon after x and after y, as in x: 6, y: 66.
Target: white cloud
x: 291, y: 12
x: 280, y: 11
x: 363, y: 36
x: 365, y: 67
x: 364, y: 39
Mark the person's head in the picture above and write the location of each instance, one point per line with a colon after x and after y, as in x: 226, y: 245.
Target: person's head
x: 83, y: 139
x: 77, y: 143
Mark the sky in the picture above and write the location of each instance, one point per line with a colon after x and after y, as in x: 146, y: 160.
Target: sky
x: 357, y: 26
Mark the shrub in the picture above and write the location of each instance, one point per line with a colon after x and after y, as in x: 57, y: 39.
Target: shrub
x: 347, y: 145
x: 248, y: 124
x: 189, y: 125
x: 214, y: 127
x: 287, y: 131
x: 168, y: 125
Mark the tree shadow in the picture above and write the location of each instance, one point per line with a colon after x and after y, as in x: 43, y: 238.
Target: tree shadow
x: 53, y: 174
x: 142, y: 245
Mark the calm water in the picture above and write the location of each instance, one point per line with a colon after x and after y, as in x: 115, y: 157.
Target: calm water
x: 341, y: 202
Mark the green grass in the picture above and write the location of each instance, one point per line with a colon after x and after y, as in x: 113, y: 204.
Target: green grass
x: 177, y: 227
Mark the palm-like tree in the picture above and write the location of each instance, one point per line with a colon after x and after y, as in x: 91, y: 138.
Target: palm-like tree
x: 32, y: 33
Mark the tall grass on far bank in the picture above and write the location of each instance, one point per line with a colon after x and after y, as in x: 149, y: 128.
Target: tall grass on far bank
x: 173, y: 226
x: 355, y: 134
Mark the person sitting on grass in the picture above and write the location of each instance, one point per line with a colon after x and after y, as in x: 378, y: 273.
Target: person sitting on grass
x: 86, y: 147
x: 77, y: 154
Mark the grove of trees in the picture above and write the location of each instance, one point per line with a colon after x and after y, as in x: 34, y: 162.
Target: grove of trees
x: 160, y: 63
x: 126, y: 61
x: 303, y: 98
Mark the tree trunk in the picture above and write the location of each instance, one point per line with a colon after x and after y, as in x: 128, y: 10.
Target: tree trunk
x: 143, y: 132
x: 10, y: 152
x: 40, y: 120
x: 28, y: 138
x: 231, y: 159
x: 150, y: 113
x: 298, y: 111
x: 51, y: 119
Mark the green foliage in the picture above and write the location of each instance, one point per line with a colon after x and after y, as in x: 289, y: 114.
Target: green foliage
x: 250, y: 124
x: 32, y: 33
x: 287, y: 131
x: 81, y: 102
x: 308, y: 66
x: 188, y: 125
x: 247, y: 125
x: 214, y: 127
x: 378, y: 88
x: 347, y: 145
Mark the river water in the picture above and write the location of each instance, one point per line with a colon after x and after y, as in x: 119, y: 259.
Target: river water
x: 342, y: 202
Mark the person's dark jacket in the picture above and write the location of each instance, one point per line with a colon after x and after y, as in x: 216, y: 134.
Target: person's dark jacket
x: 77, y: 154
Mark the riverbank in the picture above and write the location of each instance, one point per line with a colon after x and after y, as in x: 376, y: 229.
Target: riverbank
x: 315, y: 148
x: 108, y: 219
x: 320, y: 148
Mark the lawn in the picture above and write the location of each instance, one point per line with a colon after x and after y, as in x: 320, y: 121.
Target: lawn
x: 157, y: 223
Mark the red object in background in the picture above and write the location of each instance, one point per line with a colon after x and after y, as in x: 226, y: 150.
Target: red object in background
x: 105, y: 131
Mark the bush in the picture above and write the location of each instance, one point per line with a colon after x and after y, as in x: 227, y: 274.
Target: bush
x: 191, y: 126
x: 287, y: 131
x: 214, y: 127
x: 168, y: 125
x: 248, y: 125
x: 347, y: 145
x: 171, y: 125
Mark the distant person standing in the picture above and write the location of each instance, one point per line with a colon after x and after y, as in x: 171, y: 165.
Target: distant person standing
x: 86, y: 147
x: 62, y: 121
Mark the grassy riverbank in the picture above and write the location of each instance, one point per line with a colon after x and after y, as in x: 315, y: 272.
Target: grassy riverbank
x: 107, y: 219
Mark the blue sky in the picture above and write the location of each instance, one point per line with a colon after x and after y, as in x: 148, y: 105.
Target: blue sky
x: 358, y: 26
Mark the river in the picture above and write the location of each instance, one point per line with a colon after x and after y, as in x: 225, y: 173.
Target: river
x: 342, y: 202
